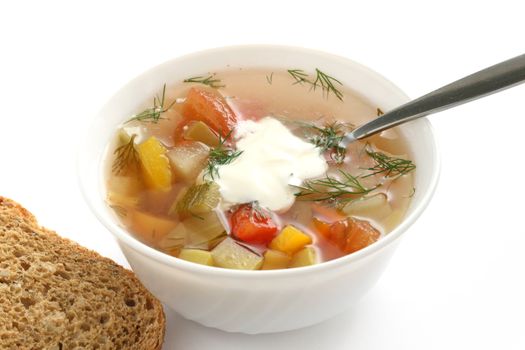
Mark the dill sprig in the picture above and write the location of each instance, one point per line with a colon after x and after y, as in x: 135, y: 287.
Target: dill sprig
x: 323, y: 80
x: 210, y: 80
x: 269, y: 78
x: 258, y: 212
x: 220, y: 155
x: 327, y: 84
x: 390, y: 166
x: 125, y: 155
x: 153, y: 114
x: 300, y: 76
x: 411, y: 193
x: 329, y: 137
x: 332, y: 190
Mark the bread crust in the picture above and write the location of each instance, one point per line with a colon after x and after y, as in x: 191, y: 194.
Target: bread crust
x: 56, y: 294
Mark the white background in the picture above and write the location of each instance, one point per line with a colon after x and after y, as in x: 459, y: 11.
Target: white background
x: 457, y: 280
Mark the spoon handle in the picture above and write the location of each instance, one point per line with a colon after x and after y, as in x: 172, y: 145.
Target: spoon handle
x: 485, y: 82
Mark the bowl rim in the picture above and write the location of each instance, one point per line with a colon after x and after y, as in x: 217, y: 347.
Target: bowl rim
x: 123, y: 236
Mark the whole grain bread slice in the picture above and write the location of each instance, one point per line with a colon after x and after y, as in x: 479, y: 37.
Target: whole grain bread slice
x: 55, y: 294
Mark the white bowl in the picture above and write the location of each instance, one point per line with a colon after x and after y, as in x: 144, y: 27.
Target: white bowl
x: 256, y: 301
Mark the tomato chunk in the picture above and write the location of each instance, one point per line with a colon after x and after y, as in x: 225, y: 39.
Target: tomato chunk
x: 350, y: 234
x: 210, y: 107
x: 252, y: 225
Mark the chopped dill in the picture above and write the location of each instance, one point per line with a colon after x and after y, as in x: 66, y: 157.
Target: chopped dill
x: 209, y: 80
x: 258, y: 212
x: 387, y: 165
x: 323, y: 80
x: 153, y: 114
x: 379, y: 112
x: 220, y: 155
x: 328, y: 138
x: 125, y: 156
x: 332, y: 190
x: 269, y: 78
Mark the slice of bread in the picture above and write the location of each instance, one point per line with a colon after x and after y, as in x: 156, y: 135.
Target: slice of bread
x: 55, y: 294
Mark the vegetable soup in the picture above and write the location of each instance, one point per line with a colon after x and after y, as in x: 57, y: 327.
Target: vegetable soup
x: 243, y: 169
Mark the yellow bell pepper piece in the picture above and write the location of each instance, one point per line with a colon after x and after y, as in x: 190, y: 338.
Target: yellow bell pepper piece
x: 290, y: 240
x: 155, y: 164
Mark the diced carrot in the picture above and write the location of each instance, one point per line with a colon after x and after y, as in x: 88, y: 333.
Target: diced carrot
x: 322, y: 227
x: 360, y: 234
x: 350, y: 234
x: 210, y: 107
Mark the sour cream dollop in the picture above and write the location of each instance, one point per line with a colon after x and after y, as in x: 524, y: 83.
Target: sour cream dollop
x: 272, y: 158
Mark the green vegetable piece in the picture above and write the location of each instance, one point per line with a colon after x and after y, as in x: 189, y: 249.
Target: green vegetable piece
x: 200, y: 131
x: 203, y: 231
x: 305, y: 257
x: 197, y: 200
x: 175, y: 240
x: 188, y: 160
x: 231, y: 255
x: 195, y: 232
x: 274, y: 259
x: 198, y: 256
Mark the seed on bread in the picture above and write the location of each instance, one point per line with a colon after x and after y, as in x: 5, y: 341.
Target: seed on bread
x: 55, y: 294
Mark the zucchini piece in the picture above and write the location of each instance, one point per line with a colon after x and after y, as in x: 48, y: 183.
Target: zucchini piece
x: 203, y: 230
x: 305, y: 257
x: 198, y: 256
x: 231, y: 255
x: 198, y: 199
x: 175, y: 240
x: 196, y: 232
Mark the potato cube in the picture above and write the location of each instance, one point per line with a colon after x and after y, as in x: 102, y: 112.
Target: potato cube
x: 274, y: 259
x: 375, y: 207
x: 188, y: 159
x: 151, y: 227
x: 305, y: 257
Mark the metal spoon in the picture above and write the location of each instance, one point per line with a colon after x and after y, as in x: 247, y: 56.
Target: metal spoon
x: 485, y: 82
